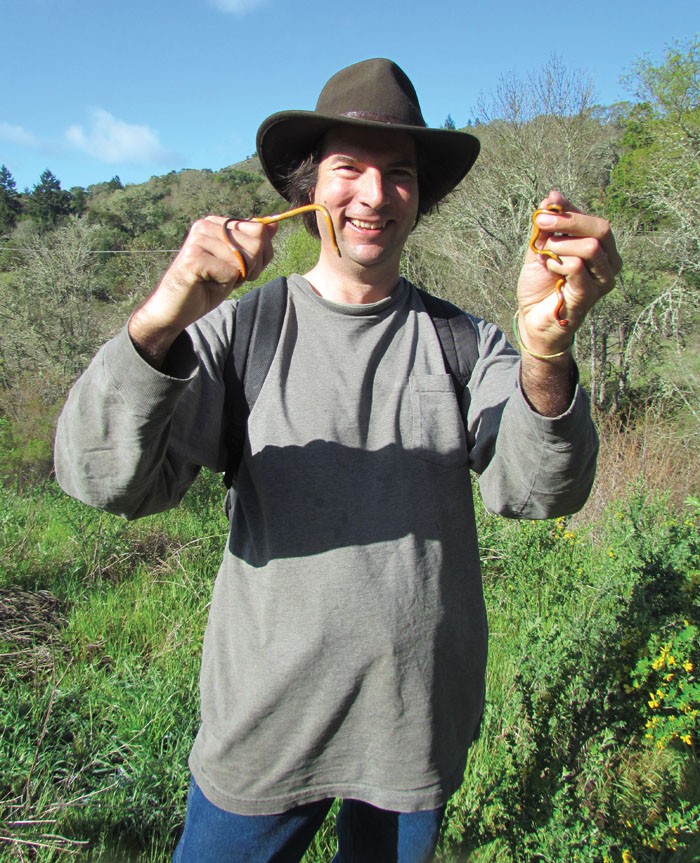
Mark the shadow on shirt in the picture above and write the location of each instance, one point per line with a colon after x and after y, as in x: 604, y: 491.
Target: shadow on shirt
x: 298, y: 501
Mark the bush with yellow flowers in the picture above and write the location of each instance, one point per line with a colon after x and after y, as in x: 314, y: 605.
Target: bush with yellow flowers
x: 668, y: 677
x: 589, y: 744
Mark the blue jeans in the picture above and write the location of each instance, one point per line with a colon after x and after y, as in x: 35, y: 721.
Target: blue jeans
x: 365, y: 834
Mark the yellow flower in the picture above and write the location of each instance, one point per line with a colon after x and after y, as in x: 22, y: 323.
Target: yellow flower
x: 688, y: 666
x: 686, y: 739
x: 627, y: 857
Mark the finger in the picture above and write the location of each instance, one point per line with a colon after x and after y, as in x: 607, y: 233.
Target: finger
x: 257, y: 240
x: 583, y: 287
x: 549, y: 217
x: 573, y: 223
x: 252, y: 241
x: 228, y: 230
x: 204, y: 256
x: 200, y: 266
x: 593, y: 254
x: 555, y: 197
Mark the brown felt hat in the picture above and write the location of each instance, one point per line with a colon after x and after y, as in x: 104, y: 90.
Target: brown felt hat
x: 374, y: 94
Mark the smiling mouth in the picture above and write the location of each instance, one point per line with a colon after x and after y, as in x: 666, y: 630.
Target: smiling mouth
x: 367, y: 226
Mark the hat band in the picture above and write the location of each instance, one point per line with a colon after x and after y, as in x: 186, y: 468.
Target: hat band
x: 379, y: 118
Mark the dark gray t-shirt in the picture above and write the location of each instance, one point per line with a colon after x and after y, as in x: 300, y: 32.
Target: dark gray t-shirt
x: 346, y: 644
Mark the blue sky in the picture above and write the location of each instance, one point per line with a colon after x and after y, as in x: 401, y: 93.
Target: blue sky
x: 91, y: 89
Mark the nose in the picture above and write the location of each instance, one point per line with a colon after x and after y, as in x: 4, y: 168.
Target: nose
x: 372, y: 192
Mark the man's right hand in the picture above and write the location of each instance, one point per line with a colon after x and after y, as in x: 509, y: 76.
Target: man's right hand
x: 203, y: 274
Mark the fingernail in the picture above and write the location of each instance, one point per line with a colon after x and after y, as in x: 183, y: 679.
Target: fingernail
x: 544, y: 220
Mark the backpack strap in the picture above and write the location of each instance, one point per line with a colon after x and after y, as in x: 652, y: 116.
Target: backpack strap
x: 257, y: 328
x: 458, y: 338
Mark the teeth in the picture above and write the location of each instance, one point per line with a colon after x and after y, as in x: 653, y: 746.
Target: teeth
x: 367, y: 225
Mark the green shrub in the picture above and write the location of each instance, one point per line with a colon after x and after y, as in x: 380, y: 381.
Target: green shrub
x: 581, y: 757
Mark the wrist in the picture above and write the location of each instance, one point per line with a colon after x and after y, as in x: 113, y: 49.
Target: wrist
x: 151, y: 338
x: 539, y: 345
x: 548, y: 386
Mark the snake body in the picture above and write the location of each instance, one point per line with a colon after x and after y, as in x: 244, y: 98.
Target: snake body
x: 559, y: 288
x: 278, y: 217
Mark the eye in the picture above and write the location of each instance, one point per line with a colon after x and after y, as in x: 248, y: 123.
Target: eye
x: 402, y: 175
x: 346, y: 169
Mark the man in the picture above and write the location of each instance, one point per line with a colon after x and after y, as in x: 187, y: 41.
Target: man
x: 345, y: 651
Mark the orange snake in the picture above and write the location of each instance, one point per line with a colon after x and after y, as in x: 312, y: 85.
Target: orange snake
x: 267, y: 220
x: 559, y: 288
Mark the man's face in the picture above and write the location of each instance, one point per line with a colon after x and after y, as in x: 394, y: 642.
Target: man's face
x: 368, y: 180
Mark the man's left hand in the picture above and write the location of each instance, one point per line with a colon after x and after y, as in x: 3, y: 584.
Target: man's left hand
x: 589, y: 262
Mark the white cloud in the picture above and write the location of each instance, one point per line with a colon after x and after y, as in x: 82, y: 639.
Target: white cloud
x: 111, y: 140
x: 18, y: 135
x: 237, y: 7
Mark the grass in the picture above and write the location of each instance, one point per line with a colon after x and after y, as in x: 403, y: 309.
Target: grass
x: 101, y: 623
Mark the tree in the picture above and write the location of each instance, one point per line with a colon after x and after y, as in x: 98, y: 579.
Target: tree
x: 49, y: 204
x: 669, y: 144
x: 78, y: 200
x: 449, y: 123
x: 9, y: 200
x: 655, y: 192
x: 538, y: 134
x: 50, y: 321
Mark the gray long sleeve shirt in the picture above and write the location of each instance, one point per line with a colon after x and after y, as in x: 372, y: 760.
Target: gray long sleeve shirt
x: 345, y: 650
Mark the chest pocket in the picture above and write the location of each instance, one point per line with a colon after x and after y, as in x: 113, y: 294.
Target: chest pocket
x: 437, y: 433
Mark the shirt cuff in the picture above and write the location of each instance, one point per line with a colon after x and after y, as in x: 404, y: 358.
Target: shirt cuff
x: 566, y: 425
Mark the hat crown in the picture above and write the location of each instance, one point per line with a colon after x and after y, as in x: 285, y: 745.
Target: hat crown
x: 377, y: 90
x: 372, y: 94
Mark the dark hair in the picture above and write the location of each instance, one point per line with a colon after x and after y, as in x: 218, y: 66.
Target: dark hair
x: 298, y: 185
x: 428, y: 195
x: 301, y: 179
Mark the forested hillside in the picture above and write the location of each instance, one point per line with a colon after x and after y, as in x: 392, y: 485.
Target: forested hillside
x: 590, y: 743
x: 74, y: 261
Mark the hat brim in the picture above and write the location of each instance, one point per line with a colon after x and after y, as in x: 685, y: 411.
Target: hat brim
x: 285, y: 139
